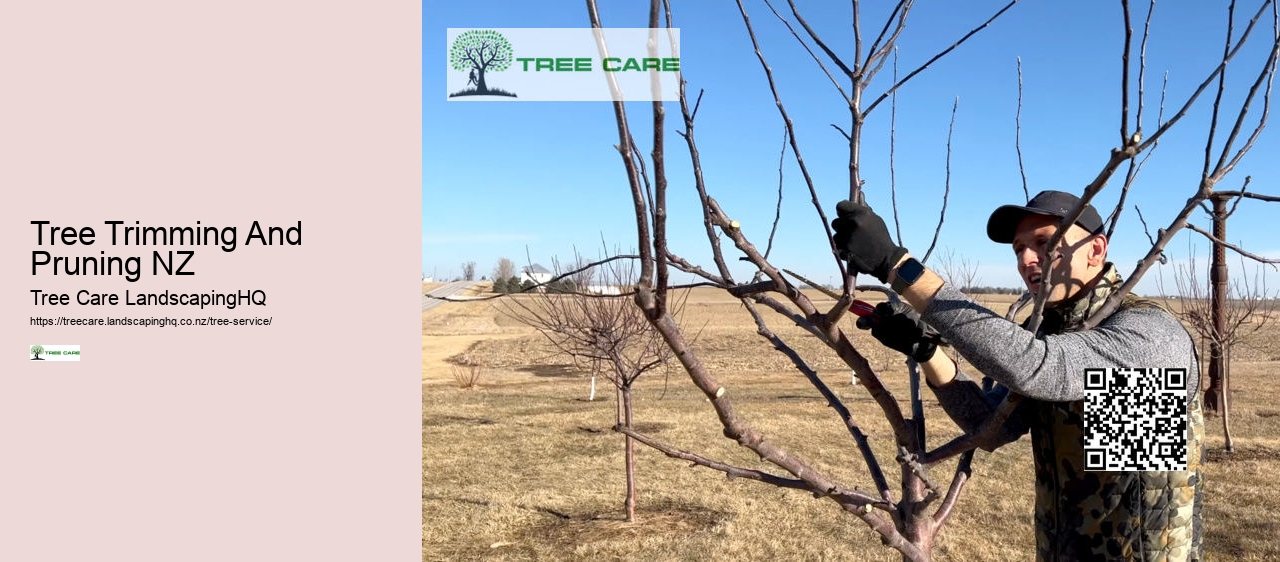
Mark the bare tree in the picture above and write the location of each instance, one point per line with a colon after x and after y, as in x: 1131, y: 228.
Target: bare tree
x: 1221, y: 324
x: 607, y: 333
x: 904, y: 522
x: 469, y: 271
x: 584, y: 274
x: 958, y: 270
x: 1216, y: 395
x: 504, y: 269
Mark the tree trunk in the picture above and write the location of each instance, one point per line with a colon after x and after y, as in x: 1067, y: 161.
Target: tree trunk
x: 916, y: 524
x: 1226, y: 405
x: 1214, y: 396
x: 631, y: 458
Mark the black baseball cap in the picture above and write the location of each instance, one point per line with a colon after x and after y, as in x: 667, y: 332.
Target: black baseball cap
x: 1003, y: 223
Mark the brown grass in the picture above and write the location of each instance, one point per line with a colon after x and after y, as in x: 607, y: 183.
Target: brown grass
x: 526, y: 468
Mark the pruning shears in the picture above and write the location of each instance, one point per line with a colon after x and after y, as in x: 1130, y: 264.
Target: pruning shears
x: 864, y: 309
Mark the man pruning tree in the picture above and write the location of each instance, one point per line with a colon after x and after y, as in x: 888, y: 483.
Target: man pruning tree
x: 1080, y: 515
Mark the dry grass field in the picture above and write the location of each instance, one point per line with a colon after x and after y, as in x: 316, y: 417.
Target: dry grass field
x: 524, y: 467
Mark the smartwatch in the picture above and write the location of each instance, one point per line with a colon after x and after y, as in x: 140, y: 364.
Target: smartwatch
x: 908, y: 273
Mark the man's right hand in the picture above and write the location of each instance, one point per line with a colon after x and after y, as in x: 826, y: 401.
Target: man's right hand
x: 899, y: 327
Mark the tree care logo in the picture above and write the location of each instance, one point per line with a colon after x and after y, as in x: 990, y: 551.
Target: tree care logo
x: 478, y: 52
x: 44, y: 352
x: 562, y: 64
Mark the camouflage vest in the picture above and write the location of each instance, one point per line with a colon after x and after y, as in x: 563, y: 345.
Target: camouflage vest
x: 1087, y: 516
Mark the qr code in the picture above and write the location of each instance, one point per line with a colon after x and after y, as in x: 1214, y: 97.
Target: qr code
x: 1135, y: 419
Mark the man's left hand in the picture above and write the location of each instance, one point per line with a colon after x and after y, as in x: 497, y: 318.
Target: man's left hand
x: 899, y: 327
x: 863, y: 240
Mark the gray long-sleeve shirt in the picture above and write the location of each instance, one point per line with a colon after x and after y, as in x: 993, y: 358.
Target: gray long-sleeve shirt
x: 1049, y: 368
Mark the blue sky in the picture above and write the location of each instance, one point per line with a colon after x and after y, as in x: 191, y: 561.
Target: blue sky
x: 533, y: 181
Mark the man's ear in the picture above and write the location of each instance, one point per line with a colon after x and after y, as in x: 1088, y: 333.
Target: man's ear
x: 1098, y: 250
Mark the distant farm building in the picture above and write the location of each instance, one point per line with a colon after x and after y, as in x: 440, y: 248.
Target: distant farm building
x: 535, y: 273
x: 604, y: 289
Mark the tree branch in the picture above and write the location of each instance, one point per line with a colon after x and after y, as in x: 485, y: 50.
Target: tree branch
x: 1124, y: 75
x: 1233, y: 247
x: 877, y: 54
x: 816, y: 39
x: 791, y: 134
x: 1222, y: 85
x: 963, y: 472
x: 1017, y: 139
x: 1199, y: 90
x: 864, y: 446
x: 942, y: 217
x: 1268, y: 74
x: 893, y: 134
x: 944, y: 52
x: 778, y: 212
x: 625, y: 147
x: 700, y: 184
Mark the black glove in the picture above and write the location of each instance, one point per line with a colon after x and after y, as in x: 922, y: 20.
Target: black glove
x: 898, y: 327
x: 862, y: 238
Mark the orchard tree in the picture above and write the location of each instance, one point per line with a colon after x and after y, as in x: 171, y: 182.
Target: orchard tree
x: 608, y: 333
x: 907, y: 519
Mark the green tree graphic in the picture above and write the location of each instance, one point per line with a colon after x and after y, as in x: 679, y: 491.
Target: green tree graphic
x: 477, y: 52
x: 37, y: 350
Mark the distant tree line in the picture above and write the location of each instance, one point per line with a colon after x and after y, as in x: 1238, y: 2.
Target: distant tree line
x: 514, y: 285
x: 985, y: 290
x: 973, y: 290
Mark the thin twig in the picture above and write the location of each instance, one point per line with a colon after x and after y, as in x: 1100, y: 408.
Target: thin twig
x: 1145, y: 229
x: 893, y: 132
x: 782, y: 155
x: 1124, y: 75
x: 1142, y: 67
x: 857, y: 35
x: 644, y: 174
x: 1017, y: 139
x: 1237, y: 249
x: 1236, y: 203
x: 1250, y: 195
x: 947, y: 191
x: 684, y: 265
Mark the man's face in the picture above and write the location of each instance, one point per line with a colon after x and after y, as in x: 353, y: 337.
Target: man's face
x: 1082, y: 256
